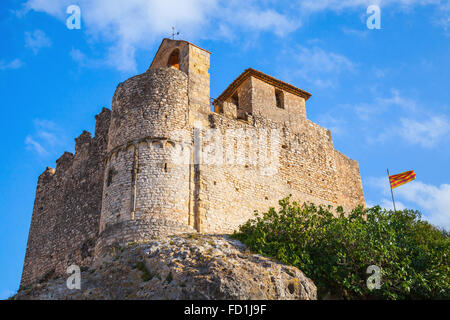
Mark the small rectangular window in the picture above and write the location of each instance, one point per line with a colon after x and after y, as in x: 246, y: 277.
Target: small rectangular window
x: 279, y: 97
x: 111, y: 174
x: 235, y: 99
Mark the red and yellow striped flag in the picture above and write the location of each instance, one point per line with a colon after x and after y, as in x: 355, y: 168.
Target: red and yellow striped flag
x: 397, y: 180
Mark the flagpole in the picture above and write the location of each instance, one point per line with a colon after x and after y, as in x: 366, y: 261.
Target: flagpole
x: 392, y: 193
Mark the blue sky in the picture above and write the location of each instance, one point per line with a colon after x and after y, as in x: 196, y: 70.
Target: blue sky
x: 384, y: 94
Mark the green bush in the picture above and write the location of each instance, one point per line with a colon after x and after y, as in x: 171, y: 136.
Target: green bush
x: 336, y: 250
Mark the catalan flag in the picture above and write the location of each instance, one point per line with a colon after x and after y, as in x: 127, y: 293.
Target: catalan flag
x: 397, y: 180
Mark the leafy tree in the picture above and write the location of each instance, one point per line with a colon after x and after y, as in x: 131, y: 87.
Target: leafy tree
x: 335, y: 250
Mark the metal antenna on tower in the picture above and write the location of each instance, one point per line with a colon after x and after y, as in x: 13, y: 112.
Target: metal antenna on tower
x: 174, y: 34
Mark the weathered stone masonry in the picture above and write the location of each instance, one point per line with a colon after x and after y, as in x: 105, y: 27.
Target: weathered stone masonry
x: 65, y: 220
x: 126, y: 185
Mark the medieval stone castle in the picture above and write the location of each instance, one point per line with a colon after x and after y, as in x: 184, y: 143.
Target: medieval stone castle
x: 125, y: 184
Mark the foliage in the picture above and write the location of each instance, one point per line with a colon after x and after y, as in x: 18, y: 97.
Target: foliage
x: 146, y: 275
x: 169, y: 277
x: 336, y: 250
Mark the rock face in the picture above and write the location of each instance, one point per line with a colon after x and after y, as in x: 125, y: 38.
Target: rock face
x: 188, y: 266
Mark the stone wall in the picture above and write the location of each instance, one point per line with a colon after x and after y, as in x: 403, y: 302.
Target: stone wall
x: 349, y: 181
x: 301, y: 162
x: 66, y: 213
x: 199, y: 94
x: 264, y: 104
x: 152, y: 104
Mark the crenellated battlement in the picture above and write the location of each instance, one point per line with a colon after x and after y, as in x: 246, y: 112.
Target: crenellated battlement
x: 102, y: 121
x: 162, y: 163
x: 66, y: 212
x: 47, y: 175
x: 83, y: 140
x: 64, y: 162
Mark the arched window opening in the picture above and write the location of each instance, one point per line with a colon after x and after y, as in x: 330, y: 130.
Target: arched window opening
x: 174, y: 59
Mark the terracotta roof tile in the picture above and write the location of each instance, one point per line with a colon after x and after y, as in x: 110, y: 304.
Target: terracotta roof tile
x: 266, y: 78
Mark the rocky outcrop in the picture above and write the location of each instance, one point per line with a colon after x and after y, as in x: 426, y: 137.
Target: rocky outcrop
x: 189, y: 266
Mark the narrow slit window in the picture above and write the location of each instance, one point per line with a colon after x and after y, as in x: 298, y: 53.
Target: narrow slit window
x: 279, y: 98
x: 235, y: 100
x: 111, y: 174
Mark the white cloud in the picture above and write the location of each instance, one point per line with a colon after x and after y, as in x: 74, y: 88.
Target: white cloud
x: 378, y: 183
x: 78, y: 56
x: 435, y: 200
x: 315, y: 64
x: 14, y: 64
x: 379, y: 105
x: 46, y: 139
x: 427, y: 132
x: 379, y: 73
x: 31, y: 144
x: 445, y: 23
x: 127, y: 26
x: 262, y: 20
x: 397, y: 100
x: 432, y: 201
x: 387, y: 204
x: 131, y: 25
x: 54, y: 8
x: 335, y: 123
x: 335, y: 5
x: 397, y: 116
x: 85, y: 61
x: 37, y: 40
x: 443, y: 19
x: 362, y: 34
x: 339, y: 5
x: 441, y: 15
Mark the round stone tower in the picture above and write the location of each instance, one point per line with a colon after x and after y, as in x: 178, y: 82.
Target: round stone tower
x: 148, y: 185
